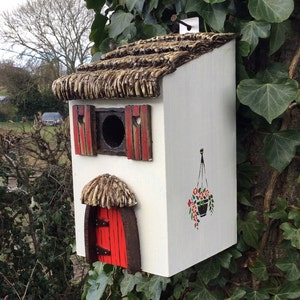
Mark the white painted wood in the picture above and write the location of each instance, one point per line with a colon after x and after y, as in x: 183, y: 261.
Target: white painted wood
x: 195, y: 110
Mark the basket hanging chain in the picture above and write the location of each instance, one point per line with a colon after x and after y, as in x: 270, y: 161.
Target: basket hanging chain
x: 202, y: 173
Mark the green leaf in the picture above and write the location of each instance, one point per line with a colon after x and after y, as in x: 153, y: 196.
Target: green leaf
x: 250, y: 228
x: 295, y: 216
x: 214, y: 15
x: 279, y: 211
x: 289, y: 266
x: 130, y: 4
x: 209, y: 269
x: 95, y: 4
x: 273, y: 11
x: 98, y: 33
x: 224, y: 259
x: 291, y: 233
x: 280, y: 148
x: 98, y: 286
x: 257, y: 295
x: 288, y: 290
x: 259, y: 269
x: 119, y: 21
x: 251, y: 32
x: 298, y: 98
x: 153, y: 286
x: 275, y: 73
x: 129, y: 281
x: 153, y: 5
x: 269, y: 100
x: 200, y: 292
x: 214, y: 1
x: 278, y: 35
x: 192, y: 6
x: 237, y: 294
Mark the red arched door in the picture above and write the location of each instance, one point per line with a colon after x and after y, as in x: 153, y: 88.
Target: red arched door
x: 110, y: 237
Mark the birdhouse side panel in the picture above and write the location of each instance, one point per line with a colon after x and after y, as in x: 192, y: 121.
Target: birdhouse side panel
x: 199, y: 101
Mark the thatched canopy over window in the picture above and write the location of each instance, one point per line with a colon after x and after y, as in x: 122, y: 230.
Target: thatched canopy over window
x: 135, y: 70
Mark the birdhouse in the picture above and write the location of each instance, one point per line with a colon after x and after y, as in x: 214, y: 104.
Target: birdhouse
x: 154, y: 152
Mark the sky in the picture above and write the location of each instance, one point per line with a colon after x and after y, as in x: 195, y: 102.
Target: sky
x: 6, y: 5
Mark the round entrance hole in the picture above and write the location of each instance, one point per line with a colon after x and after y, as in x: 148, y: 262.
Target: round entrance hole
x: 113, y: 131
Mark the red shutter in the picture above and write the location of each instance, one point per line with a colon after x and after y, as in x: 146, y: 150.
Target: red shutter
x: 84, y: 127
x: 138, y: 132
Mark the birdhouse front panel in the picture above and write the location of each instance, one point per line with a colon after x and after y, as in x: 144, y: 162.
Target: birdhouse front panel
x: 153, y: 152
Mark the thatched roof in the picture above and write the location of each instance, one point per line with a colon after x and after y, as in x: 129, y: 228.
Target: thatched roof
x: 135, y: 70
x: 107, y: 191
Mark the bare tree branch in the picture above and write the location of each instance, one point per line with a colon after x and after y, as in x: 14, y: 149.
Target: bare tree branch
x: 50, y: 30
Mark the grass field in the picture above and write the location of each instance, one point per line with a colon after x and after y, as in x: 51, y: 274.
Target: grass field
x: 22, y: 127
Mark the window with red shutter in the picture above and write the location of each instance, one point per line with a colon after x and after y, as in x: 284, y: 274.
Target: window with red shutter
x: 114, y: 131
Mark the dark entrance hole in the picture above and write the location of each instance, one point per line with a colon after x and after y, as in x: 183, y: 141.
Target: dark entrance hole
x: 113, y: 131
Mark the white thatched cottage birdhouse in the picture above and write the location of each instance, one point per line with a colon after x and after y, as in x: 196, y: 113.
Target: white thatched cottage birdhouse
x: 153, y: 144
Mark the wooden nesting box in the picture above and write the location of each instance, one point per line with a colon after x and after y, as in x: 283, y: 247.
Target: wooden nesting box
x: 154, y: 152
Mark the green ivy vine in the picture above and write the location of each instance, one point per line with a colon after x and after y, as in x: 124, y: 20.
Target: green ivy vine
x: 267, y: 93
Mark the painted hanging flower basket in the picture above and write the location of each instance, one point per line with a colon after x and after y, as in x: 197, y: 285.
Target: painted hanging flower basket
x: 201, y: 200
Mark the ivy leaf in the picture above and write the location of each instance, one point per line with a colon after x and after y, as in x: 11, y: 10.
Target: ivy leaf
x: 295, y: 216
x: 280, y: 148
x: 200, y: 291
x: 95, y: 4
x: 273, y: 11
x: 259, y: 269
x: 291, y: 233
x: 275, y: 73
x: 98, y: 286
x: 253, y: 30
x: 257, y: 295
x: 153, y: 287
x: 250, y: 228
x: 237, y: 294
x: 98, y: 33
x: 129, y: 281
x: 279, y: 211
x: 268, y: 100
x: 214, y: 15
x: 213, y: 1
x: 119, y: 21
x: 288, y: 290
x: 224, y: 259
x: 278, y: 35
x: 298, y: 98
x: 289, y: 266
x: 209, y: 269
x: 130, y: 4
x: 192, y: 6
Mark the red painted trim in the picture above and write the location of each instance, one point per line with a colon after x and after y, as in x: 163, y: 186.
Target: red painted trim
x: 136, y: 132
x: 128, y: 132
x: 146, y: 132
x: 76, y: 129
x: 90, y: 130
